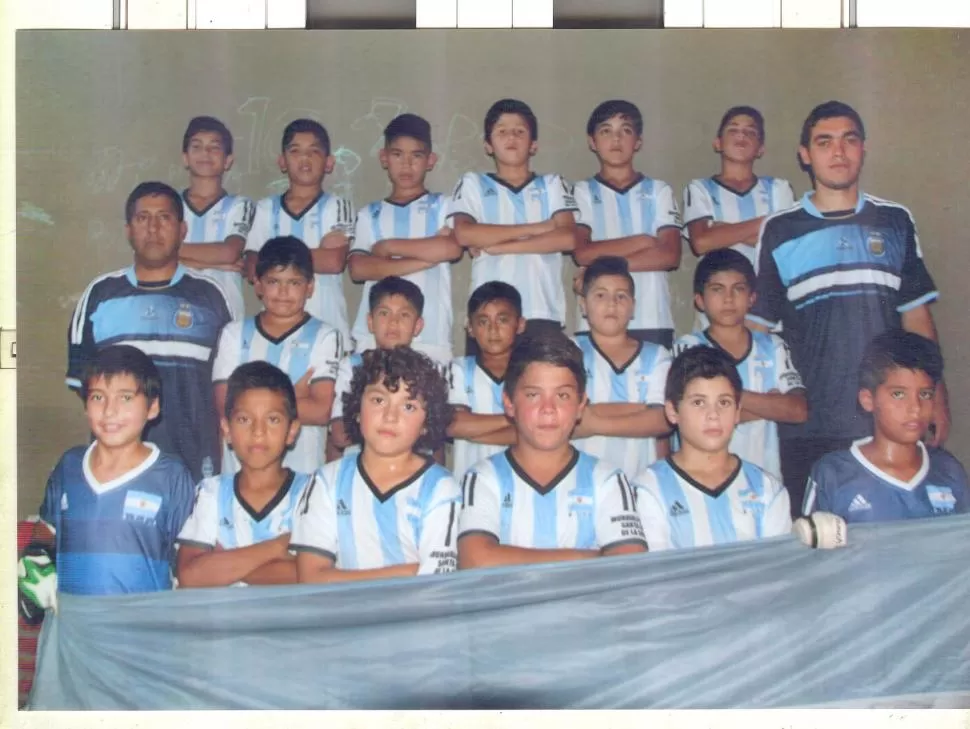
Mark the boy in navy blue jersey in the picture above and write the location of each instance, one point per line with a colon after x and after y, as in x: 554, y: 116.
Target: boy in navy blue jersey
x: 892, y: 475
x: 112, y: 509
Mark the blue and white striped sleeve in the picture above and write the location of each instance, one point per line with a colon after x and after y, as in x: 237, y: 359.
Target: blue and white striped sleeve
x: 617, y: 521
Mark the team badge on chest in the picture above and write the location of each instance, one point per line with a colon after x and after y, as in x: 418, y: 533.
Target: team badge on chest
x: 876, y: 243
x: 183, y: 317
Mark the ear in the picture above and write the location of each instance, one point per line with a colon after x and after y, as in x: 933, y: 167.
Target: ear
x: 582, y: 305
x: 761, y: 151
x: 382, y: 156
x: 468, y: 327
x: 258, y: 287
x: 698, y: 302
x: 432, y: 161
x: 419, y: 326
x: 866, y: 400
x: 370, y: 322
x: 638, y: 144
x: 582, y: 407
x: 183, y: 231
x: 752, y: 297
x: 507, y: 405
x: 128, y: 232
x: 224, y: 427
x: 521, y: 328
x: 328, y: 167
x: 185, y: 160
x: 293, y: 432
x: 281, y: 162
x: 670, y: 410
x: 489, y: 149
x: 737, y: 410
x: 718, y: 147
x: 590, y: 142
x: 803, y: 156
x: 228, y: 165
x: 533, y: 148
x: 154, y: 409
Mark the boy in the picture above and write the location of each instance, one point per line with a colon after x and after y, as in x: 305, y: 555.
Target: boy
x: 217, y: 222
x: 515, y: 224
x: 542, y: 500
x: 892, y: 475
x: 624, y: 213
x: 703, y: 494
x: 285, y: 335
x: 112, y: 509
x: 239, y: 530
x: 724, y: 284
x: 407, y: 235
x: 321, y: 220
x: 389, y: 511
x: 394, y: 319
x: 480, y: 427
x: 626, y: 376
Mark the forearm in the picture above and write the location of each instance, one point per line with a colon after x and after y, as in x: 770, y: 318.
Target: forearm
x: 787, y: 408
x: 338, y: 434
x: 333, y: 575
x: 437, y: 249
x: 724, y: 235
x: 498, y: 555
x: 365, y: 267
x: 656, y: 258
x: 485, y: 235
x: 647, y: 423
x: 502, y: 437
x: 329, y: 260
x: 213, y: 254
x: 221, y: 567
x: 277, y: 572
x: 560, y: 240
x: 314, y: 411
x: 472, y: 426
x: 589, y: 251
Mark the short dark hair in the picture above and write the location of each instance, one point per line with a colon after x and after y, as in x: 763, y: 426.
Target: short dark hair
x: 309, y: 126
x: 123, y: 359
x: 201, y: 124
x: 153, y: 189
x: 615, y: 107
x: 419, y: 374
x: 408, y: 125
x: 551, y: 348
x: 700, y: 362
x: 396, y: 286
x: 759, y: 120
x: 830, y: 110
x: 283, y: 251
x: 723, y: 259
x: 607, y: 266
x: 494, y: 291
x: 511, y: 106
x: 898, y: 349
x: 260, y: 375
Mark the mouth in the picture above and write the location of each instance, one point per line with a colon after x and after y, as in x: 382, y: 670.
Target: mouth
x: 385, y: 433
x: 713, y: 432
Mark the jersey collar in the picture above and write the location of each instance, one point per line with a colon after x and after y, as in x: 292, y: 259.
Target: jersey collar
x: 712, y: 492
x: 408, y: 203
x: 716, y: 345
x: 556, y: 480
x: 308, y: 208
x: 280, y: 494
x: 640, y: 177
x: 207, y: 208
x: 176, y: 277
x: 623, y: 367
x: 810, y: 208
x: 910, y: 485
x: 383, y: 497
x: 103, y: 488
x: 507, y: 186
x: 731, y: 190
x: 285, y: 335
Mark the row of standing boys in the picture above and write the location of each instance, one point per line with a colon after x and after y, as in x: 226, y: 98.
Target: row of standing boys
x: 562, y: 446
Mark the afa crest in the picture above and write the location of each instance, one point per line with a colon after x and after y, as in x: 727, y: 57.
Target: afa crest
x: 876, y: 243
x: 183, y: 317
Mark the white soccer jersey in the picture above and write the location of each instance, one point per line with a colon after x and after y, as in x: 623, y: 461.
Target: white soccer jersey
x: 708, y: 199
x: 644, y: 208
x: 590, y: 505
x: 344, y: 517
x: 327, y: 214
x: 677, y: 512
x: 230, y: 215
x: 345, y: 374
x: 640, y: 381
x: 311, y: 344
x: 421, y: 218
x: 538, y: 277
x: 473, y: 387
x: 767, y: 366
x: 221, y: 517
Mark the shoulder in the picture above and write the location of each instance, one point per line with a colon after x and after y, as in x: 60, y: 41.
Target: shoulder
x: 756, y: 476
x: 778, y: 220
x: 653, y: 354
x: 698, y: 184
x: 301, y: 480
x: 440, y: 478
x: 210, y: 486
x: 835, y: 462
x: 203, y: 282
x: 240, y: 200
x: 172, y: 468
x: 944, y: 460
x: 889, y: 208
x: 687, y: 341
x: 371, y: 209
x: 104, y: 286
x: 70, y: 458
x: 648, y: 477
x: 267, y: 203
x: 658, y: 187
x: 329, y: 473
x: 602, y: 472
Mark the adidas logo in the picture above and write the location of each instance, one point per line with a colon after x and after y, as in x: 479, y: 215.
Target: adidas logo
x: 224, y: 522
x: 507, y: 501
x: 678, y: 509
x: 490, y: 192
x: 342, y: 509
x: 859, y: 503
x: 597, y: 200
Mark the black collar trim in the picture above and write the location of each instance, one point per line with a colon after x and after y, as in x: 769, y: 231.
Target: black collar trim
x: 716, y: 345
x: 620, y: 190
x: 520, y: 472
x: 717, y: 182
x: 284, y: 335
x: 622, y: 368
x: 405, y: 204
x: 488, y: 372
x: 506, y: 185
x: 713, y: 493
x: 207, y: 208
x: 271, y: 504
x: 383, y: 497
x: 303, y: 212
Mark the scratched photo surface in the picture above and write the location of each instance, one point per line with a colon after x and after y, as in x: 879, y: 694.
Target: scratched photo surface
x: 99, y: 112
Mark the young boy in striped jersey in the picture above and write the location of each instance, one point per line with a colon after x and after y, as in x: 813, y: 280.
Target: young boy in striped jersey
x: 285, y: 335
x: 542, y: 500
x: 217, y: 223
x: 724, y: 284
x: 624, y: 213
x: 626, y: 376
x: 480, y: 427
x: 321, y: 220
x: 726, y: 210
x: 394, y: 319
x: 407, y: 235
x: 389, y: 511
x: 515, y: 224
x: 703, y: 494
x: 239, y: 530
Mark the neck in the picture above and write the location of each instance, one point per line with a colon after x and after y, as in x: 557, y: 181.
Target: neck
x: 119, y: 458
x: 692, y: 459
x: 269, y: 478
x: 205, y: 188
x: 407, y: 194
x: 514, y: 175
x: 611, y: 341
x: 302, y: 193
x: 828, y: 200
x: 156, y: 274
x: 495, y: 363
x: 892, y: 455
x: 721, y: 334
x: 389, y: 469
x: 541, y: 461
x: 618, y: 176
x: 279, y: 324
x: 741, y: 173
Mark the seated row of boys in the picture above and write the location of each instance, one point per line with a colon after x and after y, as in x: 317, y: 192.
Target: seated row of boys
x: 514, y: 224
x: 113, y: 511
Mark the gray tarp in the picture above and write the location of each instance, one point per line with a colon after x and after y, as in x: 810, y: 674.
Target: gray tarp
x: 749, y: 625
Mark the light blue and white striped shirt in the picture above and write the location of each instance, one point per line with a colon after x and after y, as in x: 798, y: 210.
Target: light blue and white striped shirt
x: 474, y: 388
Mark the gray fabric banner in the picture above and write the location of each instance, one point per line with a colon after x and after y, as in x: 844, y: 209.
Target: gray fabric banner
x: 756, y: 625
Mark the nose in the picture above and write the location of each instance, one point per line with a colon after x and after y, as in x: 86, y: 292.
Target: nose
x: 110, y: 406
x: 391, y: 414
